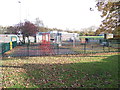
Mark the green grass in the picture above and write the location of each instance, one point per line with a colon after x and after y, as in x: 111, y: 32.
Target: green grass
x: 95, y: 49
x: 61, y: 71
x: 95, y: 37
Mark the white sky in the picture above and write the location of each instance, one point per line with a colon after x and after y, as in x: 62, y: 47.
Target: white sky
x: 61, y: 14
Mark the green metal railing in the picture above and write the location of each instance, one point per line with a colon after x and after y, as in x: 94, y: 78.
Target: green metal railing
x: 4, y: 47
x: 14, y: 44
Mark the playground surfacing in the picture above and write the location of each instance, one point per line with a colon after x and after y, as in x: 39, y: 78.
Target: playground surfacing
x: 37, y: 50
x: 48, y: 49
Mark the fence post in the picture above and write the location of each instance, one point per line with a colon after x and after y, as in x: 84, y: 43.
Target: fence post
x: 108, y: 46
x: 28, y: 44
x: 74, y: 42
x: 11, y: 45
x: 84, y: 48
x: 1, y: 52
x: 58, y: 49
x: 103, y: 48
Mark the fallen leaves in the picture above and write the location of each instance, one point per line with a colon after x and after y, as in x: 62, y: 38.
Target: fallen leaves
x: 60, y: 71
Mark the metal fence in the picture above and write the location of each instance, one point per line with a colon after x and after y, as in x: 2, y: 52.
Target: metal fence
x: 4, y: 47
x: 14, y: 44
x: 67, y: 47
x: 93, y: 47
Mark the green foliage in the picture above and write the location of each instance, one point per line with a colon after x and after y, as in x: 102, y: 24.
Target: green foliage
x: 3, y: 30
x: 110, y: 11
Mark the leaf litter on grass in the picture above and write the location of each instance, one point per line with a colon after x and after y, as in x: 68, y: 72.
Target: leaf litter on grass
x: 52, y: 72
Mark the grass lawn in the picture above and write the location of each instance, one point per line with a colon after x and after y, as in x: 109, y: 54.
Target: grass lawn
x: 95, y: 37
x: 95, y: 49
x: 64, y: 71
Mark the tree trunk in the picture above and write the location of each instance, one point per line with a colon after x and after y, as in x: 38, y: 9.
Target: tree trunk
x: 23, y: 39
x: 19, y: 38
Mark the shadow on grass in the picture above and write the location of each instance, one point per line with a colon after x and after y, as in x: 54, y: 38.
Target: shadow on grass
x: 90, y: 74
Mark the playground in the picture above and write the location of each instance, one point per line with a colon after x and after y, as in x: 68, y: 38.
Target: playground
x: 51, y: 49
x: 66, y: 65
x: 37, y: 50
x: 45, y: 46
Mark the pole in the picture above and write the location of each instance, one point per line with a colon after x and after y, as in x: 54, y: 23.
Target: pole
x: 20, y: 10
x: 73, y: 40
x: 1, y: 51
x: 84, y: 47
x: 57, y: 42
x: 28, y: 44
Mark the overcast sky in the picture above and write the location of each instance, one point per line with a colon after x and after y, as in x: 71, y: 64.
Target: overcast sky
x: 61, y: 14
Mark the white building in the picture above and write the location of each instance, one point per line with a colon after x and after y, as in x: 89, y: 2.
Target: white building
x: 5, y: 38
x: 65, y: 36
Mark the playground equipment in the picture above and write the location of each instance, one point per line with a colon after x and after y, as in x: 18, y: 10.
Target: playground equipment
x: 46, y: 47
